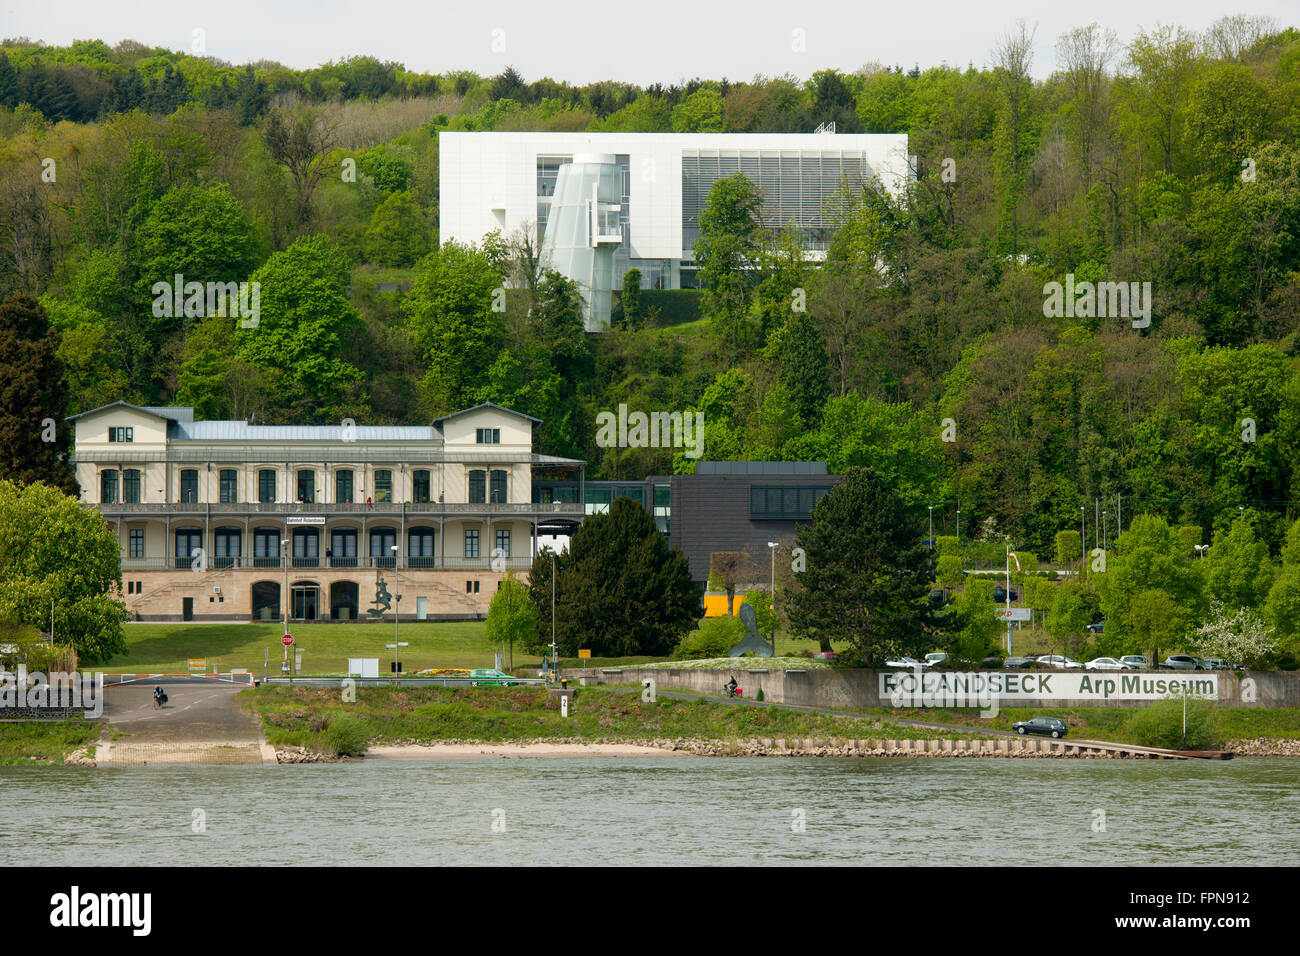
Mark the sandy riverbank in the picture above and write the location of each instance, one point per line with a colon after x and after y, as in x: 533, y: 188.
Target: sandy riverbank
x: 443, y: 751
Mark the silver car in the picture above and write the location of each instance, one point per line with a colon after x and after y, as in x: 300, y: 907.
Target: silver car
x: 1104, y: 664
x: 1058, y: 661
x: 1135, y: 662
x: 1182, y: 662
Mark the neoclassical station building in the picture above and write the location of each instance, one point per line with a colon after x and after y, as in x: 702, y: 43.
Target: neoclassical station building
x: 223, y: 520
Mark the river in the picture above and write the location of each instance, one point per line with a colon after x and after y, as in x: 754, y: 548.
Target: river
x: 661, y: 811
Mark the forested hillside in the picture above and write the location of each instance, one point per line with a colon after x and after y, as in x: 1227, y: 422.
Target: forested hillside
x: 1167, y: 158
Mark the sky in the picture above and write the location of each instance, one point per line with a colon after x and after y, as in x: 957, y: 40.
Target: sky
x: 665, y: 41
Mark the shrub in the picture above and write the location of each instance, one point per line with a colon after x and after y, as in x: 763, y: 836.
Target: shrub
x: 347, y: 736
x: 759, y: 695
x: 1161, y: 724
x: 714, y: 637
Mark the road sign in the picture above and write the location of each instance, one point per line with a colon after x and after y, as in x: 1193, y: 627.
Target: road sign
x: 287, y: 640
x: 198, y: 663
x: 584, y: 652
x: 1015, y: 613
x: 397, y: 645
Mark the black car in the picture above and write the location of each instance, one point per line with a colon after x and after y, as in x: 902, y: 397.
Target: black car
x: 1047, y: 726
x: 1013, y: 663
x: 991, y: 662
x: 1000, y: 595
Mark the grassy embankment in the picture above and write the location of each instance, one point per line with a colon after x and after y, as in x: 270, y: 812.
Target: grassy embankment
x: 44, y: 741
x: 1109, y: 723
x: 163, y: 648
x: 301, y: 716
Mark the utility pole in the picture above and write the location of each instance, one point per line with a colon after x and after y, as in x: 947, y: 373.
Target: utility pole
x: 555, y: 667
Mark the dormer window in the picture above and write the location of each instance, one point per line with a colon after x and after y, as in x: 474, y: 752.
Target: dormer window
x: 121, y: 434
x: 487, y: 436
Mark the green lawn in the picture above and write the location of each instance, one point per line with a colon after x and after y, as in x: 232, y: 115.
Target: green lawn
x: 164, y: 648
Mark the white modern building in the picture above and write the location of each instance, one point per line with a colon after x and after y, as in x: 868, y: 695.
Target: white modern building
x: 624, y: 200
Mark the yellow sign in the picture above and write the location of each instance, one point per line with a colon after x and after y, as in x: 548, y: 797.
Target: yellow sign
x: 584, y: 652
x: 198, y: 663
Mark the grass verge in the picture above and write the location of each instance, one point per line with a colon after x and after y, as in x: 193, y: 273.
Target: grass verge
x: 300, y: 716
x: 44, y: 741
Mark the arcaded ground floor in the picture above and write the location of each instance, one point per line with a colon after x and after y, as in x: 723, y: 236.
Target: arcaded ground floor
x: 311, y: 594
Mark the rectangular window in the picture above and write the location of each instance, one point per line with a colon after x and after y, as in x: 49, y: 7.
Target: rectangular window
x: 189, y: 485
x: 498, y: 487
x: 420, y: 487
x: 477, y: 487
x: 383, y: 485
x: 663, y: 507
x: 471, y: 544
x: 108, y: 487
x: 487, y: 436
x: 503, y: 545
x: 121, y: 434
x: 136, y: 542
x: 229, y: 486
x: 597, y: 500
x: 307, y: 486
x: 131, y: 486
x: 343, y: 487
x: 266, y: 487
x: 784, y: 502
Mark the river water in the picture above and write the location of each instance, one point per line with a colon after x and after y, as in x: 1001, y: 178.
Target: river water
x: 661, y: 811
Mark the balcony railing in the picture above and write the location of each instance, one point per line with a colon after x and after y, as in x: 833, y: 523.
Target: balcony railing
x: 387, y: 508
x: 372, y: 563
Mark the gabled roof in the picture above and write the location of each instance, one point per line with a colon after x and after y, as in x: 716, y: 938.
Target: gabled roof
x: 180, y: 413
x: 437, y: 422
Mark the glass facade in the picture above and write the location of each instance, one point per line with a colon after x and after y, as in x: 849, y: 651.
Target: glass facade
x: 585, y: 226
x: 796, y: 186
x: 784, y: 502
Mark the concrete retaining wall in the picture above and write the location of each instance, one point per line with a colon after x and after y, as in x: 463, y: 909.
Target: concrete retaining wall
x: 842, y: 687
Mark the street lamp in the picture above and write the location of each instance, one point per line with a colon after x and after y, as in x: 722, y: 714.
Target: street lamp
x: 959, y: 526
x: 1083, y: 535
x: 773, y: 545
x: 1202, y: 548
x: 931, y: 507
x: 397, y: 647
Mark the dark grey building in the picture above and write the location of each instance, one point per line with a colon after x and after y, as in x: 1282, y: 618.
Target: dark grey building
x: 724, y: 506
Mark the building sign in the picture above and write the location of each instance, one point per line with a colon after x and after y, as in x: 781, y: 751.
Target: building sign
x: 951, y: 688
x: 304, y: 519
x: 1014, y: 613
x: 197, y: 663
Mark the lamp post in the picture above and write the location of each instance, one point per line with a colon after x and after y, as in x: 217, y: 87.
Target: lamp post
x: 555, y: 667
x: 931, y: 507
x: 1202, y: 548
x: 1083, y: 536
x: 397, y: 647
x: 959, y: 526
x: 772, y: 546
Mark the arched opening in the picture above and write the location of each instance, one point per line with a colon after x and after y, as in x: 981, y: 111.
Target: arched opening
x: 266, y: 600
x: 344, y: 599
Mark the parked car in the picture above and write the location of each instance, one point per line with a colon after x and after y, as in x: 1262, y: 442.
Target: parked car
x: 1017, y: 663
x: 1105, y: 664
x: 825, y: 656
x: 1000, y: 595
x: 1182, y: 662
x: 1048, y: 726
x: 1135, y: 662
x: 1217, y: 664
x: 1096, y: 627
x: 991, y: 662
x: 905, y: 662
x: 1058, y: 661
x: 936, y: 659
x: 491, y: 677
x: 939, y: 596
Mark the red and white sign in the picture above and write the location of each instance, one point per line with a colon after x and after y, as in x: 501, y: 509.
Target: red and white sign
x: 1015, y: 613
x: 287, y: 640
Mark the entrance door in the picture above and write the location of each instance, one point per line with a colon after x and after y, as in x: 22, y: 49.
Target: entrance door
x: 306, y: 601
x: 187, y: 609
x: 422, y: 608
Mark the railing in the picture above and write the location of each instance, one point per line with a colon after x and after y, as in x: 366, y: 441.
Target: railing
x: 332, y: 564
x: 388, y: 508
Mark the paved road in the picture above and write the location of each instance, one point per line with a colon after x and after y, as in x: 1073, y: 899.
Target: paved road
x: 200, y: 723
